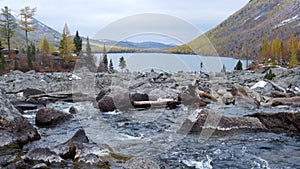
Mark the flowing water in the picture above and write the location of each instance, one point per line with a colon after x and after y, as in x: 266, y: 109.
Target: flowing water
x: 153, y: 134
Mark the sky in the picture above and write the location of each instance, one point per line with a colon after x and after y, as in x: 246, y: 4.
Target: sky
x: 91, y: 16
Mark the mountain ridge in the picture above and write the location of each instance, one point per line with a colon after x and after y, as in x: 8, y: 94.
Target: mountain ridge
x: 242, y: 33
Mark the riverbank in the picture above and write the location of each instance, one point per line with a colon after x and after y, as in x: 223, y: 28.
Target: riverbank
x: 103, y: 120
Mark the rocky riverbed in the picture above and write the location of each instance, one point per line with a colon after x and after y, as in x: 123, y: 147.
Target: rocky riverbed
x: 160, y: 120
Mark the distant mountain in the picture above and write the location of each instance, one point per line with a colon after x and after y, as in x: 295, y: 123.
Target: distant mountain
x: 42, y: 31
x: 149, y: 45
x: 140, y: 45
x: 242, y: 33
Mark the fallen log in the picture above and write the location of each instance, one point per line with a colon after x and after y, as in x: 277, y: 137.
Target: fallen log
x: 59, y: 96
x: 157, y: 103
x: 292, y: 101
x: 201, y: 93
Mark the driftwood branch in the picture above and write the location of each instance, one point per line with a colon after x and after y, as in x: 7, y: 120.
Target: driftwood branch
x: 156, y: 102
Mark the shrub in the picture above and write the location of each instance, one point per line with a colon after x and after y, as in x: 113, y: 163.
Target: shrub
x: 239, y: 66
x: 270, y: 75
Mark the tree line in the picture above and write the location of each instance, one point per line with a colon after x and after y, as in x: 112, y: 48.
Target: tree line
x: 279, y: 52
x: 61, y: 58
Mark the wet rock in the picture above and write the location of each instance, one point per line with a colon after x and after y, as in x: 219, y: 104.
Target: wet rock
x: 73, y: 110
x: 202, y: 120
x: 79, y: 137
x: 140, y: 163
x: 245, y: 97
x: 228, y: 98
x: 101, y: 94
x: 22, y: 105
x: 280, y: 122
x: 45, y: 155
x: 18, y: 164
x: 106, y: 104
x: 50, y: 117
x: 31, y: 91
x: 14, y: 128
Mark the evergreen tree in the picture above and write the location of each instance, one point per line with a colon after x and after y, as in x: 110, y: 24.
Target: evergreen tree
x: 88, y: 60
x: 223, y: 69
x: 7, y: 26
x: 122, y: 63
x: 111, y: 66
x: 78, y: 43
x: 26, y: 23
x: 293, y: 51
x: 2, y: 59
x: 30, y: 55
x: 88, y: 47
x: 104, y: 59
x: 239, y: 66
x: 66, y: 46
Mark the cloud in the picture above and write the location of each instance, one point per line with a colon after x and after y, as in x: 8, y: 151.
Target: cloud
x: 89, y: 16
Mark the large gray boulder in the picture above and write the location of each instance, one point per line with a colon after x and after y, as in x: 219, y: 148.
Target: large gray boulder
x: 14, y: 128
x: 50, y: 117
x: 205, y: 119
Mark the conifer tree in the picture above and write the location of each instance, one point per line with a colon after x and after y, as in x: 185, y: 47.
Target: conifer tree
x: 104, y: 59
x: 78, y: 43
x: 7, y: 26
x: 88, y: 60
x: 111, y: 66
x: 66, y: 46
x: 2, y: 59
x: 265, y: 54
x: 276, y: 51
x: 293, y: 51
x: 239, y: 66
x: 30, y: 55
x: 44, y: 48
x: 122, y: 63
x: 26, y: 22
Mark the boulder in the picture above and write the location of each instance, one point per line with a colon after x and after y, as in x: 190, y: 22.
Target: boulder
x: 45, y: 155
x: 140, y: 163
x: 73, y: 110
x: 202, y: 120
x: 280, y: 122
x: 205, y: 119
x: 106, y: 104
x: 14, y: 128
x: 50, y: 117
x: 228, y: 98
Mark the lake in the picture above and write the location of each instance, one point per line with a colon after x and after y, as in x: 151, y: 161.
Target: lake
x: 173, y: 62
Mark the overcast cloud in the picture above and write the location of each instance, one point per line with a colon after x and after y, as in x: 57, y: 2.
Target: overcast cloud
x: 90, y: 16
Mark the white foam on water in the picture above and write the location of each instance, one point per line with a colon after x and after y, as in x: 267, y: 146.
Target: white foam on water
x: 203, y: 164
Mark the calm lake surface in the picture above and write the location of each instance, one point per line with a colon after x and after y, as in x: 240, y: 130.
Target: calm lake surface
x: 173, y: 62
